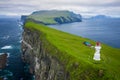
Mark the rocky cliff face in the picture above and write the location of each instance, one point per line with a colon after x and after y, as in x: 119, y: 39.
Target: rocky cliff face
x: 43, y: 65
x: 62, y: 20
x: 23, y: 18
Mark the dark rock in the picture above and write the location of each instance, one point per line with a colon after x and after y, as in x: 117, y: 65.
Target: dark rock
x: 1, y: 79
x: 58, y: 20
x: 31, y: 70
x: 100, y: 73
x: 3, y: 60
x: 75, y: 65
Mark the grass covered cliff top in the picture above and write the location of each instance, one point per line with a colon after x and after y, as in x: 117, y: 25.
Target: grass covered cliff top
x: 78, y: 58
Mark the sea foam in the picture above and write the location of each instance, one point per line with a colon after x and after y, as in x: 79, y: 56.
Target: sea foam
x: 6, y: 37
x: 8, y: 54
x: 20, y: 41
x: 7, y: 47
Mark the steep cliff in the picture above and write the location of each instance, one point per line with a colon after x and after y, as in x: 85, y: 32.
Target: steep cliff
x: 23, y: 18
x: 42, y: 63
x: 55, y: 55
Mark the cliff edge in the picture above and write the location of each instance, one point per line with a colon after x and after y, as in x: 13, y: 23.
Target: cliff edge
x: 56, y: 55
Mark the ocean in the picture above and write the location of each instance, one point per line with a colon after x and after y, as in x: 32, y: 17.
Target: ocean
x: 105, y: 30
x: 10, y: 43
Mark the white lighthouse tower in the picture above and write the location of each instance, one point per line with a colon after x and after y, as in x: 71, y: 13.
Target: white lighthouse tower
x: 97, y: 51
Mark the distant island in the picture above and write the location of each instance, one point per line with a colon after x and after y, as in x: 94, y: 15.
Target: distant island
x: 54, y: 17
x: 100, y: 17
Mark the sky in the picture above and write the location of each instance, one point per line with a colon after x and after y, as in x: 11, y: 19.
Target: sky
x: 86, y: 8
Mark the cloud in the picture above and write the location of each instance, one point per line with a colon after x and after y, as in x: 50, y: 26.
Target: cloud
x: 90, y: 7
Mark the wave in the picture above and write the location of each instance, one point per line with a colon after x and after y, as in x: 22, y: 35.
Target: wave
x: 6, y: 74
x: 21, y: 28
x: 6, y: 37
x: 19, y: 34
x: 8, y: 54
x: 7, y: 47
x: 20, y: 41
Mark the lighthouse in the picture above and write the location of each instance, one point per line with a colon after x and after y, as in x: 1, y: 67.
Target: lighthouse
x: 97, y: 51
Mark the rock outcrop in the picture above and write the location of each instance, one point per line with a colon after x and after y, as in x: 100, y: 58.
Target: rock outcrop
x: 3, y: 60
x: 43, y: 65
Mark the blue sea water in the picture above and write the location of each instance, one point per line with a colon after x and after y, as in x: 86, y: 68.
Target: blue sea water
x: 105, y: 30
x: 10, y: 42
x: 10, y: 37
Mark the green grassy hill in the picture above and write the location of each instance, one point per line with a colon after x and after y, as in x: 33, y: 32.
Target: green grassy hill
x: 78, y: 58
x: 54, y: 17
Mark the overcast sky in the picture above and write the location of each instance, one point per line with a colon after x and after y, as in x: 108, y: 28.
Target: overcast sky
x: 84, y: 7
